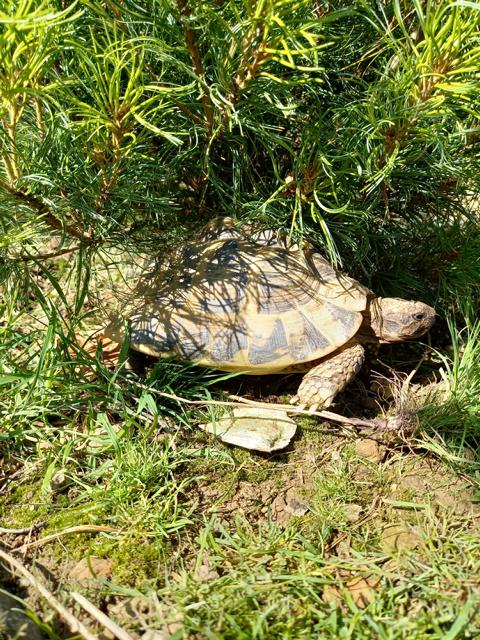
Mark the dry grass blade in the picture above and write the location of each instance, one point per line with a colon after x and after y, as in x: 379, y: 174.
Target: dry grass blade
x: 74, y: 624
x: 84, y: 528
x: 389, y: 423
x: 100, y: 617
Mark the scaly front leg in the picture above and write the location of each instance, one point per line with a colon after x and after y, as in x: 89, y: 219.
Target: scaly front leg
x: 322, y: 383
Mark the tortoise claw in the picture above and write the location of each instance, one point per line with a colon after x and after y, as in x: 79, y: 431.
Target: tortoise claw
x: 304, y: 405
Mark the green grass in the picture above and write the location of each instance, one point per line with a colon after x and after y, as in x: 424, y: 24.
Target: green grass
x: 201, y: 547
x: 223, y: 566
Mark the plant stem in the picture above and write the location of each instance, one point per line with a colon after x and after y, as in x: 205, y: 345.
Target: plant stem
x: 48, y: 217
x: 192, y: 47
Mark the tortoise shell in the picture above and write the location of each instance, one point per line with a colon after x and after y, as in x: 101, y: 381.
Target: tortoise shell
x: 250, y: 304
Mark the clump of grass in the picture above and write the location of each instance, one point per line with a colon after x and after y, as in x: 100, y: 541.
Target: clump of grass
x: 454, y: 416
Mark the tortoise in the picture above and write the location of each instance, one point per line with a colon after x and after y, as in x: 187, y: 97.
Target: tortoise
x: 250, y: 303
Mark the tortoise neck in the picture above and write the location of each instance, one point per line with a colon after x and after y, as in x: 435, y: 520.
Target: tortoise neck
x: 371, y: 328
x: 376, y: 323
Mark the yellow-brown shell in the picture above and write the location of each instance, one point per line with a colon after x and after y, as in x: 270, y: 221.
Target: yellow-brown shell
x: 235, y: 304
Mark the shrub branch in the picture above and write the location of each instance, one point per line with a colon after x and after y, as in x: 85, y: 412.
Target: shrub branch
x: 47, y: 215
x: 192, y: 47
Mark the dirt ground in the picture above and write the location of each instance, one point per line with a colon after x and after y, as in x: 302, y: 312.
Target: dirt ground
x: 399, y: 494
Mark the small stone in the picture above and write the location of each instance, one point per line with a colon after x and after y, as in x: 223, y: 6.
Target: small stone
x: 122, y: 610
x: 294, y: 504
x: 91, y: 569
x: 342, y: 549
x: 399, y: 537
x: 415, y: 482
x: 454, y: 502
x: 370, y: 450
x: 352, y: 512
x: 278, y: 504
x: 279, y: 510
x: 205, y: 572
x: 140, y: 604
x: 14, y: 623
x: 296, y: 508
x: 59, y: 480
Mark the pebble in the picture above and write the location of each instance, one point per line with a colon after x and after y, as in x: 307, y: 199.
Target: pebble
x: 370, y: 450
x: 91, y: 569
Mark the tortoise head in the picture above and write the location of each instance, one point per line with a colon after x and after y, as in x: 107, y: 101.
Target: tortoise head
x: 394, y: 319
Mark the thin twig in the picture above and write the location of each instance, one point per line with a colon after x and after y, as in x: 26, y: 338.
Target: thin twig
x: 83, y: 528
x: 328, y: 415
x: 75, y: 625
x: 29, y: 529
x: 45, y: 256
x: 186, y: 111
x: 376, y: 424
x: 47, y: 214
x: 183, y: 108
x: 100, y: 617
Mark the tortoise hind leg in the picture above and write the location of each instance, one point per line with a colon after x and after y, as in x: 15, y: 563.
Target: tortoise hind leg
x: 322, y: 383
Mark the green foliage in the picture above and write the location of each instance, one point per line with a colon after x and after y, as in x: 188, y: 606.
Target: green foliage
x: 120, y: 123
x: 457, y: 415
x: 124, y: 127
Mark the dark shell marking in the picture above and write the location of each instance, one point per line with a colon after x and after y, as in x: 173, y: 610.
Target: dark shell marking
x: 309, y: 340
x: 169, y: 338
x: 345, y: 319
x: 145, y: 332
x: 266, y: 350
x: 227, y: 343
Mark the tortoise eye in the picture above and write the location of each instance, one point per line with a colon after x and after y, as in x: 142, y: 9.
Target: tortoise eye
x: 418, y: 316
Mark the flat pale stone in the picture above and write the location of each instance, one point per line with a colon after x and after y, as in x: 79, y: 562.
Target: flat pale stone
x: 352, y: 511
x: 399, y: 537
x: 295, y: 503
x: 254, y: 428
x: 91, y: 569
